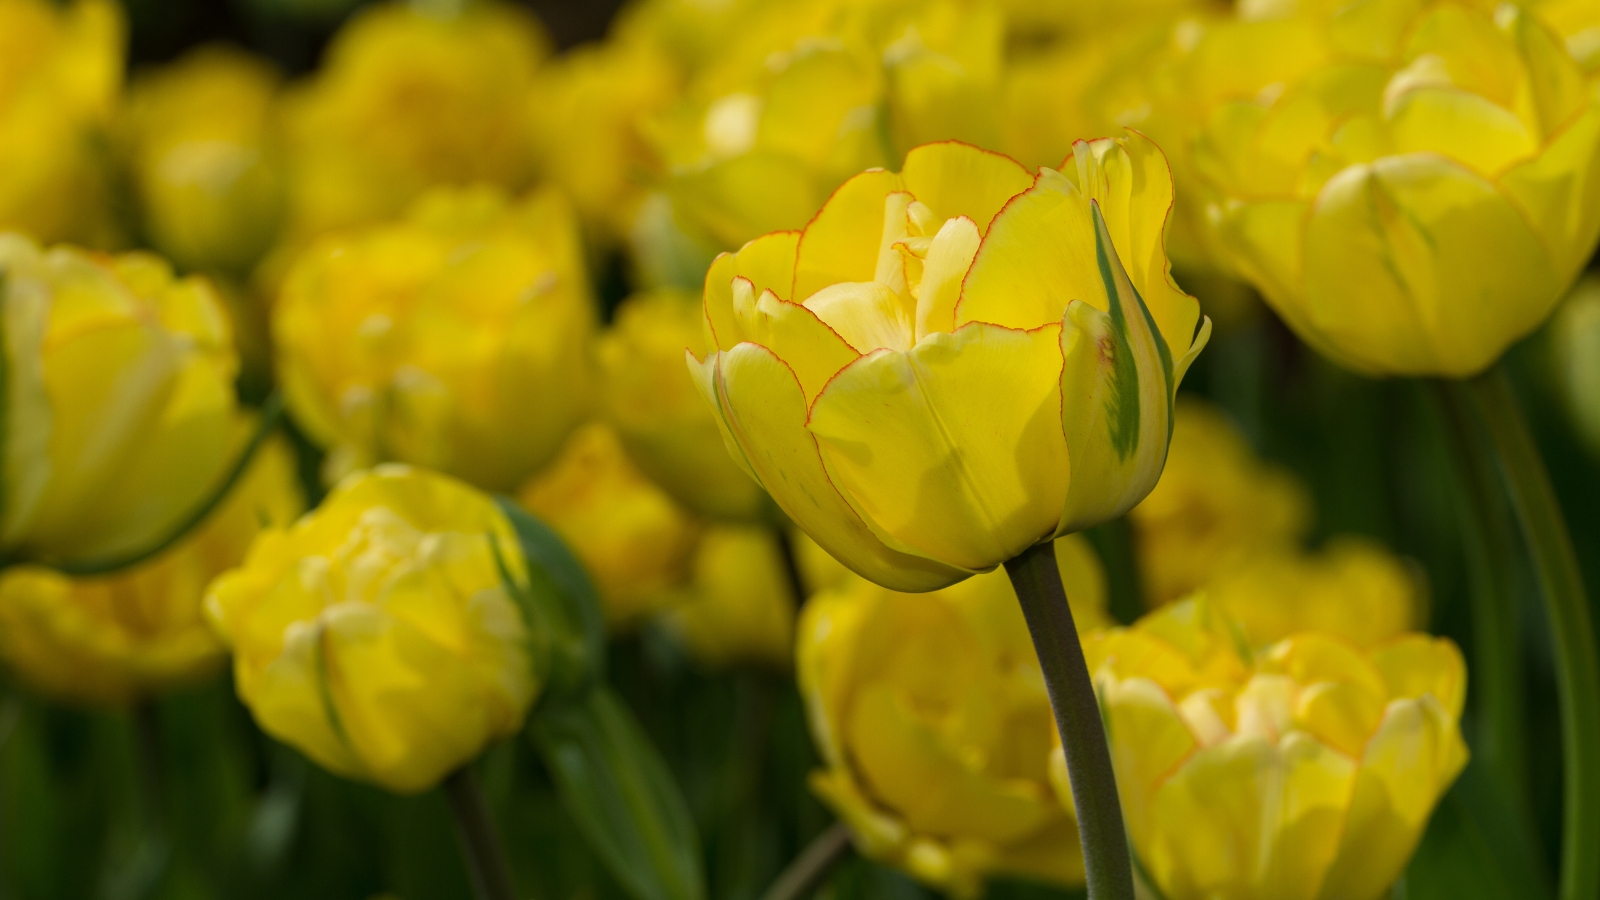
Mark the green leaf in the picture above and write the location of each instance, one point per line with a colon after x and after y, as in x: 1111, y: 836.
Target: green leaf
x: 561, y: 605
x: 619, y: 791
x: 1474, y: 848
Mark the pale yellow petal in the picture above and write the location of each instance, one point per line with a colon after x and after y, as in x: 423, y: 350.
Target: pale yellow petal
x: 956, y: 179
x: 841, y: 243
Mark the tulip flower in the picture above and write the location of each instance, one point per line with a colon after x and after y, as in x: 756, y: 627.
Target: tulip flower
x: 456, y: 338
x: 953, y: 364
x: 737, y: 607
x: 932, y: 720
x: 1216, y: 506
x: 204, y: 149
x: 63, y: 69
x: 1421, y: 199
x: 115, y: 639
x: 656, y: 410
x: 120, y: 405
x: 376, y: 634
x: 1303, y: 769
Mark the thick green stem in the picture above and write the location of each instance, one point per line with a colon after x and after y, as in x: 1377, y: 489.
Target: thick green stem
x: 1107, y: 867
x: 480, y: 844
x: 811, y: 867
x: 1566, y: 605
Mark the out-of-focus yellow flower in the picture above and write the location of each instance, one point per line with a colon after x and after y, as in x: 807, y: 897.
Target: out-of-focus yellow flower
x: 1084, y: 21
x: 116, y: 638
x: 1217, y: 504
x: 951, y: 364
x: 932, y: 719
x: 60, y: 71
x: 737, y: 607
x: 1304, y: 769
x: 412, y: 95
x: 376, y: 634
x: 119, y: 402
x: 206, y: 160
x: 1422, y: 198
x: 655, y: 408
x: 1575, y: 348
x: 588, y: 109
x: 456, y: 338
x: 633, y: 539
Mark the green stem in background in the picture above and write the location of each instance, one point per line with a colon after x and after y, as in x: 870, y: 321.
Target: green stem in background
x: 1107, y: 867
x: 1566, y: 604
x: 480, y: 844
x: 811, y: 867
x: 791, y: 565
x: 1488, y: 547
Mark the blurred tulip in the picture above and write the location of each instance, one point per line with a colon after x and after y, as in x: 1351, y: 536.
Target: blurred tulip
x: 376, y: 635
x: 653, y: 404
x: 1423, y: 198
x: 737, y: 607
x: 1217, y: 504
x: 411, y: 95
x: 456, y: 338
x: 61, y: 71
x: 633, y: 539
x: 117, y: 638
x: 915, y: 376
x: 1578, y: 22
x: 931, y: 716
x: 120, y: 404
x: 207, y: 165
x: 1304, y: 769
x: 1575, y: 345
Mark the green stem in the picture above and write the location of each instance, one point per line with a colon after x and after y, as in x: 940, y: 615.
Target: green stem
x: 1107, y: 868
x: 791, y: 565
x: 811, y: 867
x: 1566, y: 605
x: 480, y: 844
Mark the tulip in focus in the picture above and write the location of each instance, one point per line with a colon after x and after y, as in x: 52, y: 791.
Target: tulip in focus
x: 1423, y: 198
x: 207, y: 166
x: 656, y: 410
x: 1306, y: 768
x: 376, y: 634
x: 120, y: 407
x: 932, y: 719
x: 118, y: 638
x: 954, y: 363
x: 59, y: 79
x: 455, y: 338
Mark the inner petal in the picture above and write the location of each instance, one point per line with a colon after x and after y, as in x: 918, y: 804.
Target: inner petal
x: 868, y: 314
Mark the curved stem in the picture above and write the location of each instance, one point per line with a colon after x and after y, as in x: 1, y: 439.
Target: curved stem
x: 1107, y: 867
x: 1566, y: 606
x: 811, y: 867
x: 791, y: 566
x: 480, y: 843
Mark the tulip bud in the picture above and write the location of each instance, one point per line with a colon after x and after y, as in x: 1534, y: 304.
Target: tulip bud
x: 114, y: 639
x: 658, y: 413
x: 380, y: 634
x: 1423, y: 197
x: 456, y: 338
x: 931, y: 716
x: 1307, y: 768
x: 1217, y: 504
x: 952, y: 364
x: 203, y: 142
x: 119, y: 401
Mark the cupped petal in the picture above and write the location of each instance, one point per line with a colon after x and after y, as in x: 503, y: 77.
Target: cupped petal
x: 1559, y: 192
x: 868, y: 315
x: 1148, y: 740
x: 764, y: 409
x: 767, y: 263
x: 950, y: 255
x: 842, y: 242
x: 957, y: 179
x: 797, y: 335
x: 953, y: 450
x: 1464, y: 126
x: 1265, y: 244
x: 825, y: 660
x: 1419, y: 664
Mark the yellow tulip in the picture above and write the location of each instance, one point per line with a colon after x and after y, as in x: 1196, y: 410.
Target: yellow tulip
x: 635, y: 542
x: 952, y: 364
x: 119, y: 401
x: 1575, y: 351
x: 654, y: 406
x: 376, y: 634
x: 411, y: 95
x: 206, y: 161
x: 737, y: 607
x: 932, y: 720
x: 1422, y: 198
x: 114, y: 639
x: 1578, y: 22
x: 62, y: 71
x: 1304, y: 769
x: 456, y: 338
x: 1217, y: 505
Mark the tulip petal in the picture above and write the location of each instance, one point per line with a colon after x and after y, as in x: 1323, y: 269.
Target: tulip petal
x: 825, y: 651
x: 949, y: 257
x: 1418, y: 664
x: 956, y: 179
x: 797, y: 335
x: 953, y: 450
x: 1463, y: 126
x: 842, y: 242
x: 704, y: 374
x: 866, y: 314
x: 767, y: 263
x: 1148, y: 740
x: 1560, y: 190
x: 764, y: 409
